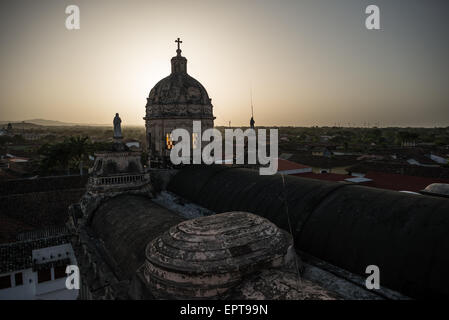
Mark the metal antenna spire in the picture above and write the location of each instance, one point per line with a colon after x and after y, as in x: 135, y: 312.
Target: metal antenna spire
x: 252, y: 122
x: 252, y: 108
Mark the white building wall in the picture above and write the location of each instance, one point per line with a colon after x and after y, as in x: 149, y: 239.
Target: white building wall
x: 55, y: 289
x: 26, y: 291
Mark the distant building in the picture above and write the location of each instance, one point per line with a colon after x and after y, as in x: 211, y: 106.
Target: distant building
x: 325, y: 138
x: 438, y: 159
x: 408, y: 144
x: 6, y: 131
x: 13, y: 158
x: 370, y: 157
x: 321, y: 152
x: 423, y: 163
x: 30, y: 136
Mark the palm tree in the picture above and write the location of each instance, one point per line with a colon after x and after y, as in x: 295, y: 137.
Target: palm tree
x: 55, y: 156
x: 79, y: 147
x: 61, y: 155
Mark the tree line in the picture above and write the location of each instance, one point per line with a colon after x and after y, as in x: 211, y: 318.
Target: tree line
x: 69, y: 154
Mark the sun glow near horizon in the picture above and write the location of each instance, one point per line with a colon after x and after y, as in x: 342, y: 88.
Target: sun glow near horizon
x: 307, y: 62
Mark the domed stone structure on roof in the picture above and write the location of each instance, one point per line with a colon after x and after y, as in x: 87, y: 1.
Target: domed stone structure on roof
x: 205, y: 257
x: 175, y: 102
x: 438, y: 189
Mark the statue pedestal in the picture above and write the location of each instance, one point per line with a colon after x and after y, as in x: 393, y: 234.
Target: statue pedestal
x: 118, y: 144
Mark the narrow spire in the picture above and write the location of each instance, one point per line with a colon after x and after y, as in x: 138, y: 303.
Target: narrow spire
x: 252, y: 122
x: 252, y: 108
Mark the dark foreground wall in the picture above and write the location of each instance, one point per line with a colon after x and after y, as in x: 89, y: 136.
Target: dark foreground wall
x: 350, y: 226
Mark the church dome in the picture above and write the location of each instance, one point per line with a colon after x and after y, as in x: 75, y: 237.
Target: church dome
x: 179, y: 94
x: 178, y: 88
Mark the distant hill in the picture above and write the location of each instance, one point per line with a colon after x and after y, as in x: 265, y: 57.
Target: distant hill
x: 47, y: 123
x: 19, y: 125
x: 43, y: 122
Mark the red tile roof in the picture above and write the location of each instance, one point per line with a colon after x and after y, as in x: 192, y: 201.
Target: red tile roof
x: 284, y: 165
x: 324, y: 176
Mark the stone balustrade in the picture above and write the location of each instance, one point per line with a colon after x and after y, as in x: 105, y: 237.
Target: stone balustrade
x: 117, y: 180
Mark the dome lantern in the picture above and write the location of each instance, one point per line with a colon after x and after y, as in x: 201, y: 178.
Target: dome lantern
x: 178, y: 63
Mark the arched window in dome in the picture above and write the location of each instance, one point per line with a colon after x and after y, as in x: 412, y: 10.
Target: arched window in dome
x: 194, y: 140
x: 168, y: 141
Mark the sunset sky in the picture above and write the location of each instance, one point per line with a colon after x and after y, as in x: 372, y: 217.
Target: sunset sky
x: 309, y: 62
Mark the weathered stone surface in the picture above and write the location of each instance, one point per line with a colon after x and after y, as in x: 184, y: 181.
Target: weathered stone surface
x: 205, y: 257
x: 116, y: 162
x: 276, y: 284
x: 178, y: 88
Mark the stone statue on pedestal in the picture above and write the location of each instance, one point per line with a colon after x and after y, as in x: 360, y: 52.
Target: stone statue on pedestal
x: 117, y: 127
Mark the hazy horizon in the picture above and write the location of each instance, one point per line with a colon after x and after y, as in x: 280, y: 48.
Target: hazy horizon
x: 308, y: 62
x: 68, y: 124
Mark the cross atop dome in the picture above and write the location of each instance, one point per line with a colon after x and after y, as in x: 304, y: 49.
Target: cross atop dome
x: 178, y: 41
x: 178, y: 63
x: 178, y: 51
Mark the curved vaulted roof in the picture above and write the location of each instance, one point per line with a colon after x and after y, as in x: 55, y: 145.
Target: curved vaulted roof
x: 126, y: 224
x: 350, y: 226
